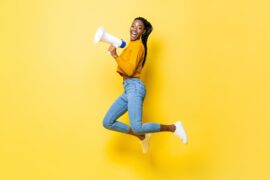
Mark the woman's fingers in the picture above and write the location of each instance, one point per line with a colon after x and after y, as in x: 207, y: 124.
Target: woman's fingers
x: 111, y: 48
x: 112, y: 51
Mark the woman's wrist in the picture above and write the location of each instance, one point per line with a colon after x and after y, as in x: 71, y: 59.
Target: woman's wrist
x: 115, y: 56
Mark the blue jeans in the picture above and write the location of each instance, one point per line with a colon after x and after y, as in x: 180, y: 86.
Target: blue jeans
x: 132, y: 101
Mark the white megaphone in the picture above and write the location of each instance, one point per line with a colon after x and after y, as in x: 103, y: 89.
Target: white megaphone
x: 102, y: 35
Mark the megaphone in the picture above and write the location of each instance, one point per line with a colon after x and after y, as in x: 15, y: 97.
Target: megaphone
x: 102, y: 35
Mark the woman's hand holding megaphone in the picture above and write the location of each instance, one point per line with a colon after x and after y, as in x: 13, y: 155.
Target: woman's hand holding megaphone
x: 112, y: 51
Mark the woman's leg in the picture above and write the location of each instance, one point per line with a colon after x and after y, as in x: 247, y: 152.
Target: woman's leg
x: 135, y: 96
x: 135, y: 92
x: 135, y: 106
x: 118, y: 108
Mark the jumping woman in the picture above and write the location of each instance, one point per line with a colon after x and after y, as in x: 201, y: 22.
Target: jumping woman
x: 130, y: 63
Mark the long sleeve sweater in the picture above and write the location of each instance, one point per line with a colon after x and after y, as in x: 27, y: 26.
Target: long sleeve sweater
x: 130, y: 60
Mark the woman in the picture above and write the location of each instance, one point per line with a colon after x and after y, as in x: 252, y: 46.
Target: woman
x: 130, y: 64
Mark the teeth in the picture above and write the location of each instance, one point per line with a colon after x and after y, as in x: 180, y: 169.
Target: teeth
x: 134, y: 35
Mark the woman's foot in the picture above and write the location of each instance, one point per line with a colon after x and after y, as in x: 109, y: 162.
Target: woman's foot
x: 144, y: 140
x: 180, y: 131
x: 145, y: 143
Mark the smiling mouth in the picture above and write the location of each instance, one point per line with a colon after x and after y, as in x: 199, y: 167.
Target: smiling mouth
x: 133, y: 35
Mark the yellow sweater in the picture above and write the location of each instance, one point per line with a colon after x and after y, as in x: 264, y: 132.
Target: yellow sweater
x: 130, y: 60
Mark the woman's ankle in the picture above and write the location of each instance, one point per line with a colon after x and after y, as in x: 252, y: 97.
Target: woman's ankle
x: 170, y: 128
x: 141, y: 137
x: 173, y: 127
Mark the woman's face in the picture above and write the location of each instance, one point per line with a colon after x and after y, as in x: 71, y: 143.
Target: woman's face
x: 136, y: 30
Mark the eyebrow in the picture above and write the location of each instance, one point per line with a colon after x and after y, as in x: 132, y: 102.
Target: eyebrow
x: 138, y: 25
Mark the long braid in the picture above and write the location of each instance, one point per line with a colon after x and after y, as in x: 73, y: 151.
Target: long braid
x: 148, y: 29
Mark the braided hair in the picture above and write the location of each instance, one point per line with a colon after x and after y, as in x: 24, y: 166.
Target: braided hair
x: 148, y: 29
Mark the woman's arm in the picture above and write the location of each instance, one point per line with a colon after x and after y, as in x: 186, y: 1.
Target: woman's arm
x: 128, y: 61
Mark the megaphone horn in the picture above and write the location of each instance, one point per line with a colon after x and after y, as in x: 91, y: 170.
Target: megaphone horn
x: 102, y: 35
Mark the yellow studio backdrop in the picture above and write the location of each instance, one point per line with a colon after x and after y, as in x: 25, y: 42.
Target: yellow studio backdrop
x: 208, y: 65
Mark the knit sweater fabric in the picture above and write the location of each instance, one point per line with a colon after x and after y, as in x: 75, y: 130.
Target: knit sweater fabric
x: 130, y: 60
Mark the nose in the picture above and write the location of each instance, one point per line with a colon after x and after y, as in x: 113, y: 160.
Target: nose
x: 133, y: 28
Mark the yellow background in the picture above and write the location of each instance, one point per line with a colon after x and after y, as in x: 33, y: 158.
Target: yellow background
x: 208, y: 65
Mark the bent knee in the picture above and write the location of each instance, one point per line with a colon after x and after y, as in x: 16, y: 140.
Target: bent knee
x: 106, y: 123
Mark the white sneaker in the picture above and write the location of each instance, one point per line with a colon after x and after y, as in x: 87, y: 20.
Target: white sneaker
x: 145, y: 143
x: 180, y: 131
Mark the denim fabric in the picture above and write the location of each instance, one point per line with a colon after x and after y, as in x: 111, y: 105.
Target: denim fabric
x: 130, y: 100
